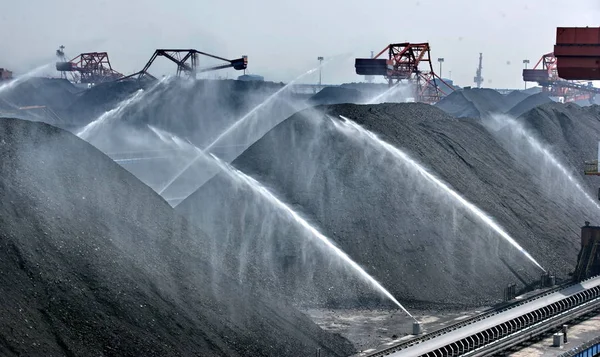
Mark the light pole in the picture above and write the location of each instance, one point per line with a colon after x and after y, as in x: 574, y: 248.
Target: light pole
x: 525, y: 62
x: 441, y: 60
x: 320, y: 59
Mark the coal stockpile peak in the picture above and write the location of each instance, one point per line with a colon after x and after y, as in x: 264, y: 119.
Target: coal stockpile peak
x: 569, y: 130
x: 337, y: 95
x: 197, y: 110
x: 515, y: 97
x: 529, y: 103
x: 93, y: 101
x: 96, y: 263
x: 473, y: 103
x: 39, y: 99
x: 413, y: 237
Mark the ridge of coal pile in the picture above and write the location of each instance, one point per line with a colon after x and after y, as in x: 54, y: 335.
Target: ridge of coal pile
x: 473, y: 103
x: 515, y: 97
x: 55, y: 93
x: 201, y: 110
x: 409, y: 235
x: 337, y: 95
x: 571, y: 131
x: 100, y: 98
x: 529, y: 103
x: 94, y: 262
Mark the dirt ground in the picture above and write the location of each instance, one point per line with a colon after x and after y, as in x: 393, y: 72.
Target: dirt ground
x: 369, y: 329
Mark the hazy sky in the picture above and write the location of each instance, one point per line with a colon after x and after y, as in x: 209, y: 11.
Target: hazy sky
x: 283, y: 38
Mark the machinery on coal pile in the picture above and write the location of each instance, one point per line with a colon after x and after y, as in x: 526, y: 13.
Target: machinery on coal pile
x: 187, y: 63
x: 87, y: 68
x: 403, y: 65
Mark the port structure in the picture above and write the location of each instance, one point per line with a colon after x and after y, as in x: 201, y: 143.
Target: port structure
x: 89, y: 67
x: 588, y: 260
x: 546, y: 74
x: 187, y: 61
x: 478, y: 79
x: 578, y: 52
x: 403, y: 64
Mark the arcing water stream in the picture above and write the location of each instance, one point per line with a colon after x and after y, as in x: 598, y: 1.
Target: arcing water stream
x: 87, y: 130
x: 242, y: 178
x: 23, y: 77
x: 351, y: 128
x: 137, y: 97
x: 518, y: 133
x: 236, y: 124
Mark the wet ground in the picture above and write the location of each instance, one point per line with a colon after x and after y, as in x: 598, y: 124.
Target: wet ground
x: 368, y: 329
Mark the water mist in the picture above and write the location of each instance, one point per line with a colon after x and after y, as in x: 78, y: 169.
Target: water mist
x: 244, y: 179
x: 352, y: 129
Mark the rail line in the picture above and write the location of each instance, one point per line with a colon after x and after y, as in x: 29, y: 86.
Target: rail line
x: 504, y: 327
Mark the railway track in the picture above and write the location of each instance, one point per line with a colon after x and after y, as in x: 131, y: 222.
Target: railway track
x: 518, y: 321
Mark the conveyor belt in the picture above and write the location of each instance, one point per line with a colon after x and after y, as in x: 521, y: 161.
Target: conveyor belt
x: 478, y: 331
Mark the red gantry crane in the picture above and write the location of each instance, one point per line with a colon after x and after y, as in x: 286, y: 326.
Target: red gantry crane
x: 403, y: 64
x: 90, y: 67
x: 187, y: 62
x: 546, y: 74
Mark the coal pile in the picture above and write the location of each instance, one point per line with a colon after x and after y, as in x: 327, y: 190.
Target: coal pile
x: 529, y: 103
x: 571, y: 132
x: 515, y: 97
x: 410, y: 236
x: 474, y: 103
x: 337, y: 95
x: 95, y: 263
x: 197, y: 111
x: 53, y: 93
x: 100, y: 98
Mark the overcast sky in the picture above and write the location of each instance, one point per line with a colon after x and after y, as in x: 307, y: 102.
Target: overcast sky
x: 283, y: 38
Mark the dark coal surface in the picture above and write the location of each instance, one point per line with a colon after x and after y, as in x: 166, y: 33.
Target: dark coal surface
x: 55, y: 93
x: 529, y: 103
x: 93, y: 102
x: 515, y: 97
x: 474, y: 103
x: 198, y: 111
x: 93, y: 262
x: 337, y: 95
x: 409, y: 235
x: 571, y: 132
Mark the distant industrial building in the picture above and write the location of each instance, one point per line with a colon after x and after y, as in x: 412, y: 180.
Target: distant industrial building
x: 251, y: 77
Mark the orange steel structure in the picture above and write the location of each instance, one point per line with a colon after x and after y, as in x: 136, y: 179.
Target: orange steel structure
x: 403, y: 64
x: 545, y: 73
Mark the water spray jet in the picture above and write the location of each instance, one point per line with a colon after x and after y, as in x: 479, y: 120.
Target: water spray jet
x: 518, y: 130
x: 9, y: 85
x: 385, y: 93
x: 238, y: 122
x: 137, y: 97
x: 239, y: 176
x: 375, y: 141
